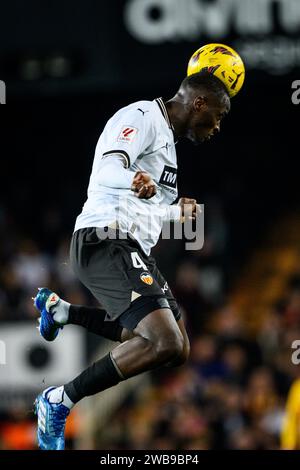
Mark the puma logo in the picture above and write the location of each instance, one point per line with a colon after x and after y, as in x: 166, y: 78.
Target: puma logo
x: 143, y: 112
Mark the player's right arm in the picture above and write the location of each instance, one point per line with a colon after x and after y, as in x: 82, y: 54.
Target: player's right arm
x: 112, y: 174
x: 143, y: 185
x: 126, y: 136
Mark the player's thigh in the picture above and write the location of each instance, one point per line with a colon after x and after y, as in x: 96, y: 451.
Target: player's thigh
x: 165, y: 289
x: 139, y: 331
x: 159, y: 327
x: 168, y: 295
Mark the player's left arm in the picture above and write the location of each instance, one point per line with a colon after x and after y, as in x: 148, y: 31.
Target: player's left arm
x: 185, y: 209
x: 190, y: 209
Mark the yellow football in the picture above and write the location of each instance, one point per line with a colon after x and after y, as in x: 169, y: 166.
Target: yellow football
x: 221, y: 60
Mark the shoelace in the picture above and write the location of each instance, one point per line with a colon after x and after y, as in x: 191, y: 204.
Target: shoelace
x: 58, y: 417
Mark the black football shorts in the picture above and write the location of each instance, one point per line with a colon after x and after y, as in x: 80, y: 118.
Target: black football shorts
x: 125, y: 281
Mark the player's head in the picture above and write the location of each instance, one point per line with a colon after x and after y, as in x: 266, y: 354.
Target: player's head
x: 205, y: 101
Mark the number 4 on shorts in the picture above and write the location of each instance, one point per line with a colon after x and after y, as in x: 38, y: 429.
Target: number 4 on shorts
x: 137, y: 262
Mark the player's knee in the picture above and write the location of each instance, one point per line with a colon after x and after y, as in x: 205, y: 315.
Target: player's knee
x: 182, y: 357
x: 169, y: 347
x: 186, y: 351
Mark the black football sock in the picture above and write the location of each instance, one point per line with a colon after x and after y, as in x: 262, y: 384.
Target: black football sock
x: 93, y: 319
x: 101, y: 375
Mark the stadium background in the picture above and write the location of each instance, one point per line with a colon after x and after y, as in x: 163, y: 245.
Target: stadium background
x: 67, y: 68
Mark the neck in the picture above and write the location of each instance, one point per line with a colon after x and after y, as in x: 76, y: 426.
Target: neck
x: 177, y: 115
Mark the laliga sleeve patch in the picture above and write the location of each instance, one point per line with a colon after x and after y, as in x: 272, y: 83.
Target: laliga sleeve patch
x: 127, y: 134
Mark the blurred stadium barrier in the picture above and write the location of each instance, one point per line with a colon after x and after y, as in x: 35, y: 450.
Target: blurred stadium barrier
x: 32, y: 364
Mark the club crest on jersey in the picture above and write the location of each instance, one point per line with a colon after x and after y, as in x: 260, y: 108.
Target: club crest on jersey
x: 127, y: 134
x: 169, y: 176
x: 146, y: 278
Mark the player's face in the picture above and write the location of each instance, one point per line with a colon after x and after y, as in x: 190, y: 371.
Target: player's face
x: 206, y: 117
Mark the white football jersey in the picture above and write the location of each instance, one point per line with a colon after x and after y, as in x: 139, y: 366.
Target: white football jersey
x: 141, y: 135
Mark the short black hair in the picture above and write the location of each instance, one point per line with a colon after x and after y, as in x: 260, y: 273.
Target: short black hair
x: 206, y: 80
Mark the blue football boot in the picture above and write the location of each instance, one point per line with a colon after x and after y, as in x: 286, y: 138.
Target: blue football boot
x: 51, y: 422
x: 44, y: 301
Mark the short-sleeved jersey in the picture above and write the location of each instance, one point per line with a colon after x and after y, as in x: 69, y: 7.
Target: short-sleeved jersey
x: 142, y: 135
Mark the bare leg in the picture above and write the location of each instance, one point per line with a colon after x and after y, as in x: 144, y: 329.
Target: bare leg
x: 184, y: 355
x: 157, y: 340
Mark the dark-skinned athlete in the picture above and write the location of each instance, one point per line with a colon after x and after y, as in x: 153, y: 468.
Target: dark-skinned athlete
x: 131, y: 193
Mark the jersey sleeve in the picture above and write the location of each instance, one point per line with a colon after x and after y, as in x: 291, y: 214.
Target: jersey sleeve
x: 112, y: 174
x: 128, y: 134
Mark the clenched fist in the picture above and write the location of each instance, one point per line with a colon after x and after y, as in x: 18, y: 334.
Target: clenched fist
x: 189, y: 208
x: 143, y: 185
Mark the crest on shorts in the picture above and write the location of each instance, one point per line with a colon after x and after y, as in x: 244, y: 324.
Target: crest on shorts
x: 146, y: 278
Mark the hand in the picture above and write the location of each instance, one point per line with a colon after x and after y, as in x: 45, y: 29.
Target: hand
x: 143, y: 185
x: 189, y: 208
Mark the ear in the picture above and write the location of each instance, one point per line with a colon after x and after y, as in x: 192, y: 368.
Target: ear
x: 199, y: 103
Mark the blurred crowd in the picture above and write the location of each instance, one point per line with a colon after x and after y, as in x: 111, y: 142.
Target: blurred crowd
x: 29, y: 261
x: 230, y: 395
